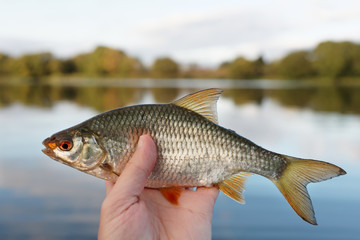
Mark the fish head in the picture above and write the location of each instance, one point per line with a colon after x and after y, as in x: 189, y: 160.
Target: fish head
x: 78, y: 148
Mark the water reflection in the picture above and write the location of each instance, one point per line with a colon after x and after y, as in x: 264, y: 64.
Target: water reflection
x: 43, y: 199
x: 104, y: 97
x: 241, y: 96
x: 162, y: 95
x: 293, y: 97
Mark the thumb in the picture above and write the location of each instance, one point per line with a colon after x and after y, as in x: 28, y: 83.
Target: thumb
x: 132, y: 180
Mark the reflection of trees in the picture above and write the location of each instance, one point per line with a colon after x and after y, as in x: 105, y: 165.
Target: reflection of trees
x: 326, y: 99
x: 106, y: 98
x: 353, y: 100
x: 120, y: 97
x: 28, y: 95
x: 242, y: 96
x: 330, y: 99
x: 164, y: 95
x: 291, y: 97
x: 99, y: 98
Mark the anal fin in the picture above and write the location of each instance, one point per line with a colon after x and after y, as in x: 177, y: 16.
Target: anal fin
x: 172, y: 194
x: 234, y: 186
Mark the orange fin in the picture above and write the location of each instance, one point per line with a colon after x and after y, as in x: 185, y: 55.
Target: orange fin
x: 172, y: 194
x: 234, y: 186
x: 202, y: 102
x: 297, y: 174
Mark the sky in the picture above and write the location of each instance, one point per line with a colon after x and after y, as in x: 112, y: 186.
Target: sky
x: 206, y: 32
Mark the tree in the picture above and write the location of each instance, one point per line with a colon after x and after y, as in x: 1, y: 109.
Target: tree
x: 104, y: 61
x: 81, y: 63
x: 33, y: 65
x: 241, y: 68
x: 296, y: 65
x: 259, y: 67
x: 165, y: 68
x: 332, y: 59
x: 5, y: 64
x: 355, y: 60
x: 68, y: 66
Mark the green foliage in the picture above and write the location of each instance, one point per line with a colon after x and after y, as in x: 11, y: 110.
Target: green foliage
x: 5, y: 64
x: 105, y: 61
x: 81, y: 62
x: 332, y: 59
x: 296, y: 65
x: 196, y: 71
x: 225, y: 64
x: 68, y: 66
x: 355, y: 59
x: 259, y: 66
x: 272, y: 69
x: 33, y: 65
x: 328, y: 61
x: 62, y: 66
x: 55, y: 66
x: 241, y: 68
x: 165, y: 68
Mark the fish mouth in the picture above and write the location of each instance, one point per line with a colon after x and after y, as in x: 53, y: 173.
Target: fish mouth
x: 49, y: 146
x: 47, y: 151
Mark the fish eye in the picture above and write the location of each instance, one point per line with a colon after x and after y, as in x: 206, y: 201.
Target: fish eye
x: 65, y: 145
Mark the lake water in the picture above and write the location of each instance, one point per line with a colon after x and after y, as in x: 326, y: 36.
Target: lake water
x: 43, y: 199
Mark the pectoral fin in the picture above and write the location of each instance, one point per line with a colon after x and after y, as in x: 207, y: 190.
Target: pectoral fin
x: 172, y: 194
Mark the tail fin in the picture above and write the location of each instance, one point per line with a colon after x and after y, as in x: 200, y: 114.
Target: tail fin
x: 297, y: 174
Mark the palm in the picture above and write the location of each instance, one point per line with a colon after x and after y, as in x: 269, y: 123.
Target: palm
x: 153, y: 217
x: 131, y: 211
x: 189, y: 220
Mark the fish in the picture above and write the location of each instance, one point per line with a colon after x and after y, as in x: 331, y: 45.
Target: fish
x: 193, y: 150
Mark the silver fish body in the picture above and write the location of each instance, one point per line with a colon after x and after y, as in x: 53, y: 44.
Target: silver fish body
x: 192, y: 149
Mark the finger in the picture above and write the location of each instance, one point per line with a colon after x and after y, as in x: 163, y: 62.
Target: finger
x: 211, y: 192
x: 108, y: 186
x: 132, y: 180
x: 203, y: 199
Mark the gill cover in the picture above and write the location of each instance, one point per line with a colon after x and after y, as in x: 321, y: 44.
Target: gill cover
x: 91, y: 155
x: 85, y: 154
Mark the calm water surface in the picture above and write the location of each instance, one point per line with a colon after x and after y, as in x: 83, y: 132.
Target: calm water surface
x: 43, y: 199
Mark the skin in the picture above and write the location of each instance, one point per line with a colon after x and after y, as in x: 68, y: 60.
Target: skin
x: 131, y: 211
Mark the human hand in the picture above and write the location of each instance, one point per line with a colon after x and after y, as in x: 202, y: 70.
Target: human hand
x: 131, y: 211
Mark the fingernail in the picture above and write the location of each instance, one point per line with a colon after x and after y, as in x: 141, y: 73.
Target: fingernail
x: 140, y: 142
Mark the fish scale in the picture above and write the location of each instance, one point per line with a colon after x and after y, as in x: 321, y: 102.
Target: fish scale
x: 192, y: 151
x: 188, y: 145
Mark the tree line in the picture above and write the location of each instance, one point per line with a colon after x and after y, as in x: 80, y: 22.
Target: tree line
x: 328, y: 60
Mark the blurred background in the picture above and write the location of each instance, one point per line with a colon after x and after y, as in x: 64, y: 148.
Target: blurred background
x: 290, y: 71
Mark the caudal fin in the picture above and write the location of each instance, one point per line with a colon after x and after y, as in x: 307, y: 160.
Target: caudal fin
x: 295, y: 177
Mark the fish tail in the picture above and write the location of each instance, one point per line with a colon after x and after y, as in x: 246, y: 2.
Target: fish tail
x: 297, y: 174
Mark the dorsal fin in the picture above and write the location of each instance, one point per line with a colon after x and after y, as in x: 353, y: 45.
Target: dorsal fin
x: 234, y: 186
x: 202, y: 102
